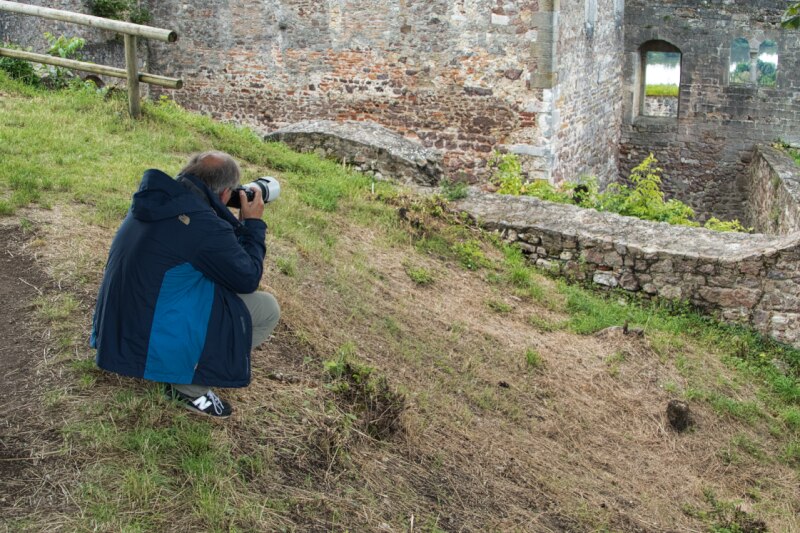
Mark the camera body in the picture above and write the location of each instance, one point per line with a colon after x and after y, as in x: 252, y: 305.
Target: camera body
x: 267, y: 186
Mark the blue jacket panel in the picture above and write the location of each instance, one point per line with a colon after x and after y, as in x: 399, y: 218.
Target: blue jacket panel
x: 168, y: 308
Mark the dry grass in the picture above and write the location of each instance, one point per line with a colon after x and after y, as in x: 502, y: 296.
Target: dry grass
x: 485, y: 442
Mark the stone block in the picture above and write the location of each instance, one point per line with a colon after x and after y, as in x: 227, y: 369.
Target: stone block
x: 671, y: 292
x: 607, y: 279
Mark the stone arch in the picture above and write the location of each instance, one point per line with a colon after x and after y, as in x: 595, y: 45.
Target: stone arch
x: 660, y: 64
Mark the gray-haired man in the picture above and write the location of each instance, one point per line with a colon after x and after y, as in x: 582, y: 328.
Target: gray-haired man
x: 178, y: 302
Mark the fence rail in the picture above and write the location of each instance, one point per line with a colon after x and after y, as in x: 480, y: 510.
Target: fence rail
x: 130, y: 32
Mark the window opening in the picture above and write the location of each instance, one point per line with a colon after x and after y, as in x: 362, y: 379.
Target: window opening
x: 662, y: 80
x: 767, y: 64
x: 740, y: 61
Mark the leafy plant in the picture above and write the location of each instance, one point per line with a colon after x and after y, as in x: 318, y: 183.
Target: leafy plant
x: 791, y: 17
x: 645, y: 200
x: 67, y: 48
x: 716, y: 224
x: 420, y: 276
x: 19, y: 69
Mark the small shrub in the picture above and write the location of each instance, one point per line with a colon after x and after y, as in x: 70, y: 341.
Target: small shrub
x: 66, y: 48
x: 470, y: 255
x: 19, y: 69
x: 419, y: 275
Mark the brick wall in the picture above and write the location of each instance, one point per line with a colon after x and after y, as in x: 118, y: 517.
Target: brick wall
x: 452, y: 74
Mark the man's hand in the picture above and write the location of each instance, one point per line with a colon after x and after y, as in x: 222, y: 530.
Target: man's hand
x: 253, y: 209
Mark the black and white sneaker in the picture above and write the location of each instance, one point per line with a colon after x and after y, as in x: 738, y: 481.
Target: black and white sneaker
x: 207, y: 404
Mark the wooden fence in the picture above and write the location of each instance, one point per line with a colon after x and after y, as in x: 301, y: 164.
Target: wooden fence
x: 130, y: 32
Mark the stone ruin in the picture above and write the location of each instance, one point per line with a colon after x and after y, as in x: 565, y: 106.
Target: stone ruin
x: 421, y: 90
x: 751, y: 279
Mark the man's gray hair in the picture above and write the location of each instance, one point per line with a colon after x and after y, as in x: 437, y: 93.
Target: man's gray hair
x: 218, y: 170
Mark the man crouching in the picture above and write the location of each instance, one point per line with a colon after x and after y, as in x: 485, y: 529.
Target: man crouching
x: 177, y: 303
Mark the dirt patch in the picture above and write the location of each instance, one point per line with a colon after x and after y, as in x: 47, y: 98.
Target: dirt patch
x: 27, y: 442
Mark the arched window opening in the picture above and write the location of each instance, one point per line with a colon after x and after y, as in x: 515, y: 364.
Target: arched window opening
x: 740, y: 61
x: 661, y: 63
x: 767, y: 64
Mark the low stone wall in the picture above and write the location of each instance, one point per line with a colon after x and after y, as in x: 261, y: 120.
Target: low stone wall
x: 742, y: 278
x: 367, y: 146
x: 661, y: 106
x: 773, y: 192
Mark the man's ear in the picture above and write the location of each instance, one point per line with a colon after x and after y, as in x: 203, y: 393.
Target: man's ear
x: 225, y: 195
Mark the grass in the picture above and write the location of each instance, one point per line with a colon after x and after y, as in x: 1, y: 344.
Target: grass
x: 399, y: 358
x: 662, y: 90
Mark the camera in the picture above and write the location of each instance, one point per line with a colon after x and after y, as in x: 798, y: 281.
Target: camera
x: 268, y: 186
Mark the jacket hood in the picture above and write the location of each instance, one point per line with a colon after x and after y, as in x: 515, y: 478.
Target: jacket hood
x: 160, y: 197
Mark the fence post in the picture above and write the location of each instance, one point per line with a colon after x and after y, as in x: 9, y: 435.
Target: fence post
x: 132, y: 67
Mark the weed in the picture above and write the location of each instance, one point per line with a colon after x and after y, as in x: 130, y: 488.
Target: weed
x: 454, y: 190
x: 725, y: 517
x: 645, y: 200
x: 470, y: 255
x: 369, y: 400
x: 544, y: 325
x: 791, y: 417
x: 791, y: 453
x: 499, y: 307
x: 533, y: 359
x: 419, y: 275
x: 287, y: 265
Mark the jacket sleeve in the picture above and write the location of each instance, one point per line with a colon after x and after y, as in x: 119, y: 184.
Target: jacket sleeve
x: 236, y: 263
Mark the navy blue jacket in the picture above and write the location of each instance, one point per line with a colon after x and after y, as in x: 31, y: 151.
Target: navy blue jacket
x: 168, y: 308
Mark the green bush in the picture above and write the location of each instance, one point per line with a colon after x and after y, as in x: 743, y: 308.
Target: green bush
x: 19, y: 69
x: 66, y: 48
x: 645, y: 200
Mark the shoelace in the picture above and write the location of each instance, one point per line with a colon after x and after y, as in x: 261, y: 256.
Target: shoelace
x: 218, y: 406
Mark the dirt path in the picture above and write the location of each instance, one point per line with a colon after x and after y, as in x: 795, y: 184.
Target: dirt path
x: 25, y: 436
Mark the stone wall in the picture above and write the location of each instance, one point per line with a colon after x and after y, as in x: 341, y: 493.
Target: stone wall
x: 587, y: 109
x: 661, y: 106
x: 773, y: 193
x: 366, y: 146
x: 706, y: 149
x: 742, y: 278
x: 452, y: 74
x: 533, y: 77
